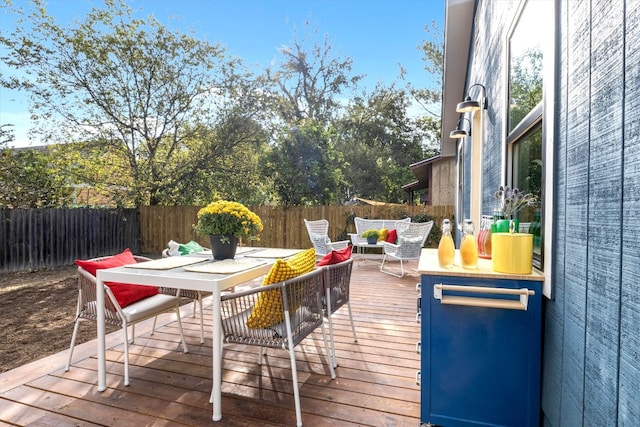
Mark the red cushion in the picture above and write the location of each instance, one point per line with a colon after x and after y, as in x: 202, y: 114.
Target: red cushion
x: 125, y: 294
x: 392, y: 236
x: 334, y: 257
x: 124, y: 258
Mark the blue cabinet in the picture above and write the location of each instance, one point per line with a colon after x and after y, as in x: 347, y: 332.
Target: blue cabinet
x: 480, y: 350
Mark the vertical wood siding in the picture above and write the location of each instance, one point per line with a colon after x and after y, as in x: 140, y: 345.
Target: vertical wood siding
x: 629, y: 353
x: 591, y: 362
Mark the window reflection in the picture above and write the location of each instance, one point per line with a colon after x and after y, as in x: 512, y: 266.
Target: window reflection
x: 525, y: 115
x: 525, y: 68
x: 527, y: 176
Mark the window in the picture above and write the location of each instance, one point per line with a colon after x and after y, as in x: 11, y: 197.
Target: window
x: 525, y: 130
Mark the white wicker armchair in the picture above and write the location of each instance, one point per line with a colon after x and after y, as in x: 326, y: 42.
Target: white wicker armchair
x: 411, y: 238
x: 301, y: 309
x: 319, y: 234
x: 118, y: 316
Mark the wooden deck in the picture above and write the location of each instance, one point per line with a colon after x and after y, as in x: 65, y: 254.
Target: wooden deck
x: 375, y: 384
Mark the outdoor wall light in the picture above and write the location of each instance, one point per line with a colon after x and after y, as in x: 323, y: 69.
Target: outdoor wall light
x: 471, y: 105
x: 459, y: 132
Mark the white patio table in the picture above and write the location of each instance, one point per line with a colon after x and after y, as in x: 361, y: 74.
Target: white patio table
x: 194, y: 272
x: 363, y: 245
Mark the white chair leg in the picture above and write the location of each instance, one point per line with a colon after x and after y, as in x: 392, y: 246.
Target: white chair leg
x: 153, y: 328
x: 184, y: 344
x: 125, y: 339
x: 260, y: 355
x: 332, y: 356
x: 73, y: 343
x: 326, y: 349
x: 389, y: 271
x: 384, y: 259
x: 294, y: 379
x: 133, y: 333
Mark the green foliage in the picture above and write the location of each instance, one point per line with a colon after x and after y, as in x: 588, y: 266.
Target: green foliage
x: 370, y: 233
x: 28, y: 180
x: 304, y: 166
x: 378, y: 139
x: 434, y: 235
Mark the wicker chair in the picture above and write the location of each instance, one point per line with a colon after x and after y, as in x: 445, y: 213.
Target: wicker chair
x: 319, y: 234
x: 118, y: 316
x: 301, y: 309
x: 336, y: 281
x: 411, y: 238
x: 196, y: 296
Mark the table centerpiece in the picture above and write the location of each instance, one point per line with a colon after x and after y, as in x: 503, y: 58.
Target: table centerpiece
x: 225, y: 222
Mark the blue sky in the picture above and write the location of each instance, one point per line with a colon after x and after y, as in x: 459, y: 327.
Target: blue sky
x: 376, y: 34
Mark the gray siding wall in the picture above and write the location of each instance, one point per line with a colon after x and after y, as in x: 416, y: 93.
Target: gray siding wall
x: 591, y: 362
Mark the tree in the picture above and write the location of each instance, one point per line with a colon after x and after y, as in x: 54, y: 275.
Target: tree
x: 308, y: 82
x: 379, y: 141
x: 7, y: 135
x: 303, y: 162
x: 430, y: 97
x: 305, y: 167
x: 145, y: 94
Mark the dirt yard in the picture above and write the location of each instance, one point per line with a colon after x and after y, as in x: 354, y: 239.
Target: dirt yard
x: 36, y: 316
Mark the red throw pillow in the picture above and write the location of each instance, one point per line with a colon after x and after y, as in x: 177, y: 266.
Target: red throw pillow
x: 123, y: 258
x: 392, y: 236
x: 125, y: 294
x: 334, y: 257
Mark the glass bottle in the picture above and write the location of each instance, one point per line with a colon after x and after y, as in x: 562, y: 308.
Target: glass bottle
x: 446, y: 248
x: 468, y: 246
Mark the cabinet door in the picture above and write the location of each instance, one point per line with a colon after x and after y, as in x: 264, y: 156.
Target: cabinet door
x: 480, y: 364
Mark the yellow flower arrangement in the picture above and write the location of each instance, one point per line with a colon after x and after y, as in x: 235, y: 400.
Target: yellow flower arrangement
x: 227, y: 218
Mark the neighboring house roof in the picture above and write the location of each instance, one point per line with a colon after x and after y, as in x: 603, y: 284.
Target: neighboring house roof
x: 422, y: 171
x: 360, y: 200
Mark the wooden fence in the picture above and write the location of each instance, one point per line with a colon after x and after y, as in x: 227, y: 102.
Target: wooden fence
x: 283, y: 226
x: 32, y: 239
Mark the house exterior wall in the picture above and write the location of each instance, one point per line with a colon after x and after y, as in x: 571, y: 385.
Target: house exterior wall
x: 591, y: 361
x: 443, y: 177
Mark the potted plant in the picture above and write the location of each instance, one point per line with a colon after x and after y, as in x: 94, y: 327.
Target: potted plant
x: 225, y: 222
x: 510, y: 201
x: 372, y: 236
x: 512, y: 252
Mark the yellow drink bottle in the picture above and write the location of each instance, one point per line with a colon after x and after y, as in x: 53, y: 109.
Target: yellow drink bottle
x: 468, y: 246
x: 446, y: 248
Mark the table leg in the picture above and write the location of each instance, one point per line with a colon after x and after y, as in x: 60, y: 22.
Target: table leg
x: 217, y: 358
x: 102, y: 367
